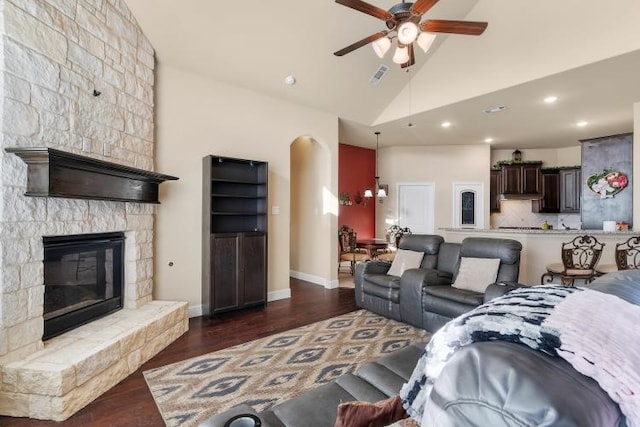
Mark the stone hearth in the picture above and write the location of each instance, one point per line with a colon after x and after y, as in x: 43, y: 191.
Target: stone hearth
x: 75, y: 368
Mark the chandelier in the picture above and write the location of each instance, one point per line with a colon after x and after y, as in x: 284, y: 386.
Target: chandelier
x: 380, y: 190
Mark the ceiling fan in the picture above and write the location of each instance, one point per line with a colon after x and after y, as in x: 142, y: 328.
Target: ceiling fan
x: 403, y: 19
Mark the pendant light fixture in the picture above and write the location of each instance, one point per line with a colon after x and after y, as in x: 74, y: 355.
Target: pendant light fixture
x: 380, y: 191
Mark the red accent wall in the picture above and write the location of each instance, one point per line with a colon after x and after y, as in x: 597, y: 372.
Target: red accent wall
x: 356, y: 171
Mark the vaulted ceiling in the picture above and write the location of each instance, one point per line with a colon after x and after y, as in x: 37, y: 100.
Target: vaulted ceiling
x: 585, y: 52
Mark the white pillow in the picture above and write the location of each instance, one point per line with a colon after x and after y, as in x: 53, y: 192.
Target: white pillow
x: 404, y: 260
x: 475, y: 274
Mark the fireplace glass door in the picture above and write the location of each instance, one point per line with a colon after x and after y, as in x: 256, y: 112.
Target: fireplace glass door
x: 83, y: 278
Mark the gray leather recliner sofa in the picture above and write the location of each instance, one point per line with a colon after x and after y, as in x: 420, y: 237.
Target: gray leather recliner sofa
x: 424, y: 297
x: 373, y: 382
x: 497, y: 384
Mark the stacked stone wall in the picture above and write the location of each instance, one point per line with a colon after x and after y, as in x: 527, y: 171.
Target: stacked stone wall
x: 55, y: 54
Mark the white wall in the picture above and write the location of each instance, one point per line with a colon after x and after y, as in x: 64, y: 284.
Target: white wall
x: 550, y: 157
x: 195, y: 117
x: 310, y: 165
x: 441, y: 165
x: 467, y: 67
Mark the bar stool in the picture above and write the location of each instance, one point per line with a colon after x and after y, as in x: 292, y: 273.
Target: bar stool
x: 627, y: 257
x: 580, y: 257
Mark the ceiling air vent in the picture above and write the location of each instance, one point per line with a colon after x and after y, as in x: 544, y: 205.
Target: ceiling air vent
x: 495, y: 109
x: 380, y: 73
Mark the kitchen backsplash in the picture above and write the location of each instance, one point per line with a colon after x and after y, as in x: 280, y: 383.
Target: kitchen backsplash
x: 518, y: 213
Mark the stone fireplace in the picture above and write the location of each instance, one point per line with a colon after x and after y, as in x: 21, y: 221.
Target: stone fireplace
x: 77, y: 76
x: 83, y: 279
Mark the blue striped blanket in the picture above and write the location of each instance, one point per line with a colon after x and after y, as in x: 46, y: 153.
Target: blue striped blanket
x: 543, y: 318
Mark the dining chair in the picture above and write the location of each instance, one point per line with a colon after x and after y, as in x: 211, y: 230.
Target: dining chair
x: 395, y: 234
x: 349, y: 252
x: 627, y: 257
x: 580, y: 257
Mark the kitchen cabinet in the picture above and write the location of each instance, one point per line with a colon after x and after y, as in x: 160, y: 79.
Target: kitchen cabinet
x: 550, y: 186
x: 520, y: 178
x: 494, y: 191
x: 570, y: 190
x: 234, y: 235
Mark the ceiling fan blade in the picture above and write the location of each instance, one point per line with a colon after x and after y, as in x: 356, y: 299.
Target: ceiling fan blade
x: 470, y: 28
x: 412, y: 58
x: 422, y: 6
x: 367, y: 8
x: 360, y: 43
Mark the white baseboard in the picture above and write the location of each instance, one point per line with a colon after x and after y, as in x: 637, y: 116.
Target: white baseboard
x: 196, y: 310
x: 281, y: 294
x: 328, y: 284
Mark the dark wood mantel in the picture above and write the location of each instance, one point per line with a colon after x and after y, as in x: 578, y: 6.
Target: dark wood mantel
x: 55, y: 173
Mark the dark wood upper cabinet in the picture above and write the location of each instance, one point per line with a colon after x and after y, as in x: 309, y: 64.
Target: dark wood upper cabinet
x: 560, y: 191
x: 520, y: 179
x: 494, y: 191
x: 570, y: 190
x: 550, y: 185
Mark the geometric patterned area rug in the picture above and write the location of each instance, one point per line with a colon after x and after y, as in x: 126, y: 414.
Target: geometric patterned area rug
x: 269, y: 370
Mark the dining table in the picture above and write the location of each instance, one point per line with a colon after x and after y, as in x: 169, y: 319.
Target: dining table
x: 373, y: 246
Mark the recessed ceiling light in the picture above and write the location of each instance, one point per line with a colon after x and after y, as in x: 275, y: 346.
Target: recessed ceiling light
x: 495, y: 109
x: 488, y: 140
x: 582, y: 123
x: 445, y: 124
x: 550, y: 99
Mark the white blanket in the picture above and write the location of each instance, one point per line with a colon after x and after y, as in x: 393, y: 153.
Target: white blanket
x: 597, y: 333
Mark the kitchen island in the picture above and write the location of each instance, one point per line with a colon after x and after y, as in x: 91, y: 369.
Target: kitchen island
x: 541, y: 247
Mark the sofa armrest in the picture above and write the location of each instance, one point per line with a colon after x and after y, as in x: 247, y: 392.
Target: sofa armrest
x: 496, y: 290
x: 368, y: 267
x: 411, y: 284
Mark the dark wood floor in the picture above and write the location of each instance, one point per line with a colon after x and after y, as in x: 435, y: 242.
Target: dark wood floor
x: 129, y: 403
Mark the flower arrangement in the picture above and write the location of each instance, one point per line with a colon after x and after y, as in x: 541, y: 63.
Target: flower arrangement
x: 608, y: 183
x: 344, y: 198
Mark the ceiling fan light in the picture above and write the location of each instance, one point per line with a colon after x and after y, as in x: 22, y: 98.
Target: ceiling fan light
x: 425, y: 40
x: 407, y: 32
x: 401, y: 55
x: 381, y: 46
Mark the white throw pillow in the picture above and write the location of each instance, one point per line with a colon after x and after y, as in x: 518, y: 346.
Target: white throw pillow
x: 404, y: 260
x: 475, y: 274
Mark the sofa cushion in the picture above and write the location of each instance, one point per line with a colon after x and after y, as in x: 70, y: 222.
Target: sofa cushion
x: 404, y: 260
x: 429, y: 244
x: 475, y: 274
x: 446, y: 292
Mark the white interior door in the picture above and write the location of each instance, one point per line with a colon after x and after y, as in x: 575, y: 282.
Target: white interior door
x: 416, y: 207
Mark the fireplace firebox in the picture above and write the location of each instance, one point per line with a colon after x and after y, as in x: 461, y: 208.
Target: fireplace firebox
x: 83, y: 279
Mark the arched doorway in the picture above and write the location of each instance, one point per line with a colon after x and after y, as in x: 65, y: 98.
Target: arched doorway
x: 313, y: 248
